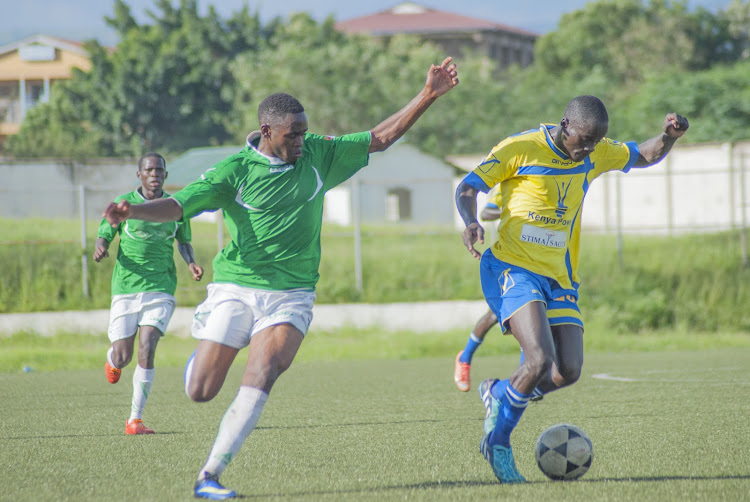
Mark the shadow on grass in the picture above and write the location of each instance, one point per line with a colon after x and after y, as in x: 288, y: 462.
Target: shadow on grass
x: 478, y: 483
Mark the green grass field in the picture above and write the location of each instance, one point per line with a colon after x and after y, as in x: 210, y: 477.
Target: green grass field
x: 666, y: 425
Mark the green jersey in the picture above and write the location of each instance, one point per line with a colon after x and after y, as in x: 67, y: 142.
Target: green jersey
x: 145, y: 259
x: 274, y: 210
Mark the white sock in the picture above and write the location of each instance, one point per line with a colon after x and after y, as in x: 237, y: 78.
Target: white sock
x: 238, y: 422
x: 109, y: 357
x: 142, y: 381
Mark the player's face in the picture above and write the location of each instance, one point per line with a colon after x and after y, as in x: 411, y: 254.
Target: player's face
x: 286, y: 137
x: 579, y: 141
x: 152, y: 174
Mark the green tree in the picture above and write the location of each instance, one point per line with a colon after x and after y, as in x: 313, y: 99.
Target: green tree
x: 166, y: 86
x: 351, y: 83
x: 632, y: 39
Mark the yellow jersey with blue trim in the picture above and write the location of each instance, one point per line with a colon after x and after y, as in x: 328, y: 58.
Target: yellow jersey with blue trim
x: 494, y: 198
x: 542, y: 192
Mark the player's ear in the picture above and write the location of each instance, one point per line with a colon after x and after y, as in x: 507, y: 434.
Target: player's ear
x: 166, y: 173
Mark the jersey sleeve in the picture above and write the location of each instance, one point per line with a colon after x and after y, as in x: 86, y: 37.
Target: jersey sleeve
x: 215, y: 189
x: 500, y: 164
x: 341, y: 156
x: 184, y: 233
x: 612, y: 155
x: 106, y: 230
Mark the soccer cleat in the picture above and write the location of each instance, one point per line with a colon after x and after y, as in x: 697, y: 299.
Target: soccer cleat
x: 491, y: 405
x: 502, y: 462
x: 112, y: 373
x: 209, y: 488
x: 462, y: 374
x: 135, y: 426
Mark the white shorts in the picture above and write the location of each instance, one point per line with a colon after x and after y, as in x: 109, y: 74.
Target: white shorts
x: 231, y: 314
x: 127, y: 312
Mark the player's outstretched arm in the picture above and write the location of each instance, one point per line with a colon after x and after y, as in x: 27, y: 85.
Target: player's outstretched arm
x: 159, y: 211
x: 440, y: 79
x: 466, y: 202
x: 101, y: 249
x: 656, y: 148
x: 186, y: 251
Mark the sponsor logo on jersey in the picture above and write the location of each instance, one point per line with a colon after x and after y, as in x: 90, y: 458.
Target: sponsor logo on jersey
x: 544, y: 237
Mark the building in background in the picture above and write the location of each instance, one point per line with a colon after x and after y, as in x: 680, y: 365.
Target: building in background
x: 400, y: 185
x: 454, y: 33
x: 28, y: 70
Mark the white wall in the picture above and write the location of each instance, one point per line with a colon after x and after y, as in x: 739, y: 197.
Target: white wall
x: 696, y: 188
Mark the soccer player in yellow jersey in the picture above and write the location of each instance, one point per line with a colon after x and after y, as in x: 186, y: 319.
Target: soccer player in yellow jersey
x: 529, y: 276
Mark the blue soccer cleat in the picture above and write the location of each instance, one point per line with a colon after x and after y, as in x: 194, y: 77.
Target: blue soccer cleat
x: 491, y: 404
x: 502, y: 462
x: 209, y: 488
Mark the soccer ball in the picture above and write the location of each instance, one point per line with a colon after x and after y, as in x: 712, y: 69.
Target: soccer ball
x: 564, y: 452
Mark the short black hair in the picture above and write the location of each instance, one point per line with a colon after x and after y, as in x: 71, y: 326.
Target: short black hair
x: 587, y: 110
x: 150, y: 155
x: 277, y: 106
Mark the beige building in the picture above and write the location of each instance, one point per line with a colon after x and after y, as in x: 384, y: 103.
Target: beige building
x: 28, y: 70
x: 454, y: 33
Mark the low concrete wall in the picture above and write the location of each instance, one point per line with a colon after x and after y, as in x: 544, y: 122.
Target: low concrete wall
x: 421, y: 317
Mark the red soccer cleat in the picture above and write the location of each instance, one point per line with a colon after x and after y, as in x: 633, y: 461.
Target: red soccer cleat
x: 112, y: 374
x: 462, y: 374
x: 136, y: 426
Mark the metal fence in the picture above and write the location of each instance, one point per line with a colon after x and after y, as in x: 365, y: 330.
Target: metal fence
x: 696, y: 189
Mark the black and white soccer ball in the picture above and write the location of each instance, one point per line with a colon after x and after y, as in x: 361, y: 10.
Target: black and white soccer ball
x: 564, y: 452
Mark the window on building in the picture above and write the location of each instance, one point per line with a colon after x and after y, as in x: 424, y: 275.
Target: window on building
x: 398, y: 204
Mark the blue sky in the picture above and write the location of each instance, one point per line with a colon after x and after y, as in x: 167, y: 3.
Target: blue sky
x: 83, y: 19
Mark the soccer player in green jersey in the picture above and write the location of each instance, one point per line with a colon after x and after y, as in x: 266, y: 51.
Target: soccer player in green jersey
x: 529, y: 275
x: 271, y: 194
x: 143, y: 285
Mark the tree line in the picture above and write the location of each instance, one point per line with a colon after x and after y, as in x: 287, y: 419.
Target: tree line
x: 183, y: 80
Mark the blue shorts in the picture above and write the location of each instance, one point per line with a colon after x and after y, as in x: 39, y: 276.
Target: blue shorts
x: 507, y: 288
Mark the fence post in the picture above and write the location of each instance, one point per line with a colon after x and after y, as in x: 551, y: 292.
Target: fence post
x: 618, y: 215
x: 743, y: 207
x: 84, y: 254
x: 670, y: 197
x: 356, y: 214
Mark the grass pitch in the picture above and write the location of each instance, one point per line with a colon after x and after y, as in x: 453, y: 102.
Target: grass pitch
x: 665, y: 426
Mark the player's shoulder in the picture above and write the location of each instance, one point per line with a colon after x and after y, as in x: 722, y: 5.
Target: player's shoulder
x: 523, y: 141
x: 132, y: 196
x: 607, y: 145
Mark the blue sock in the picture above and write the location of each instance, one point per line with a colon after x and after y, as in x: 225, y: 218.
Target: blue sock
x: 537, y: 392
x: 498, y: 389
x: 471, y: 346
x: 512, y: 407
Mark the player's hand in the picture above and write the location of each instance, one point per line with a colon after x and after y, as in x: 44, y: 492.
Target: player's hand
x: 100, y: 253
x: 443, y: 78
x: 117, y: 213
x: 675, y: 125
x: 197, y: 271
x: 472, y: 234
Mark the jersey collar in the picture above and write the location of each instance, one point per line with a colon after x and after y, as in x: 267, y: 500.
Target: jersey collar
x: 274, y: 161
x: 546, y: 128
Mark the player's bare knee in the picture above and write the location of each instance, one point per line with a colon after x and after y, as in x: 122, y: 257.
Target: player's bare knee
x: 200, y: 393
x: 570, y: 374
x: 121, y: 358
x: 538, y: 365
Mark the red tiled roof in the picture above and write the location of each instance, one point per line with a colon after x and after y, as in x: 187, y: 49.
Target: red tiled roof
x: 415, y: 18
